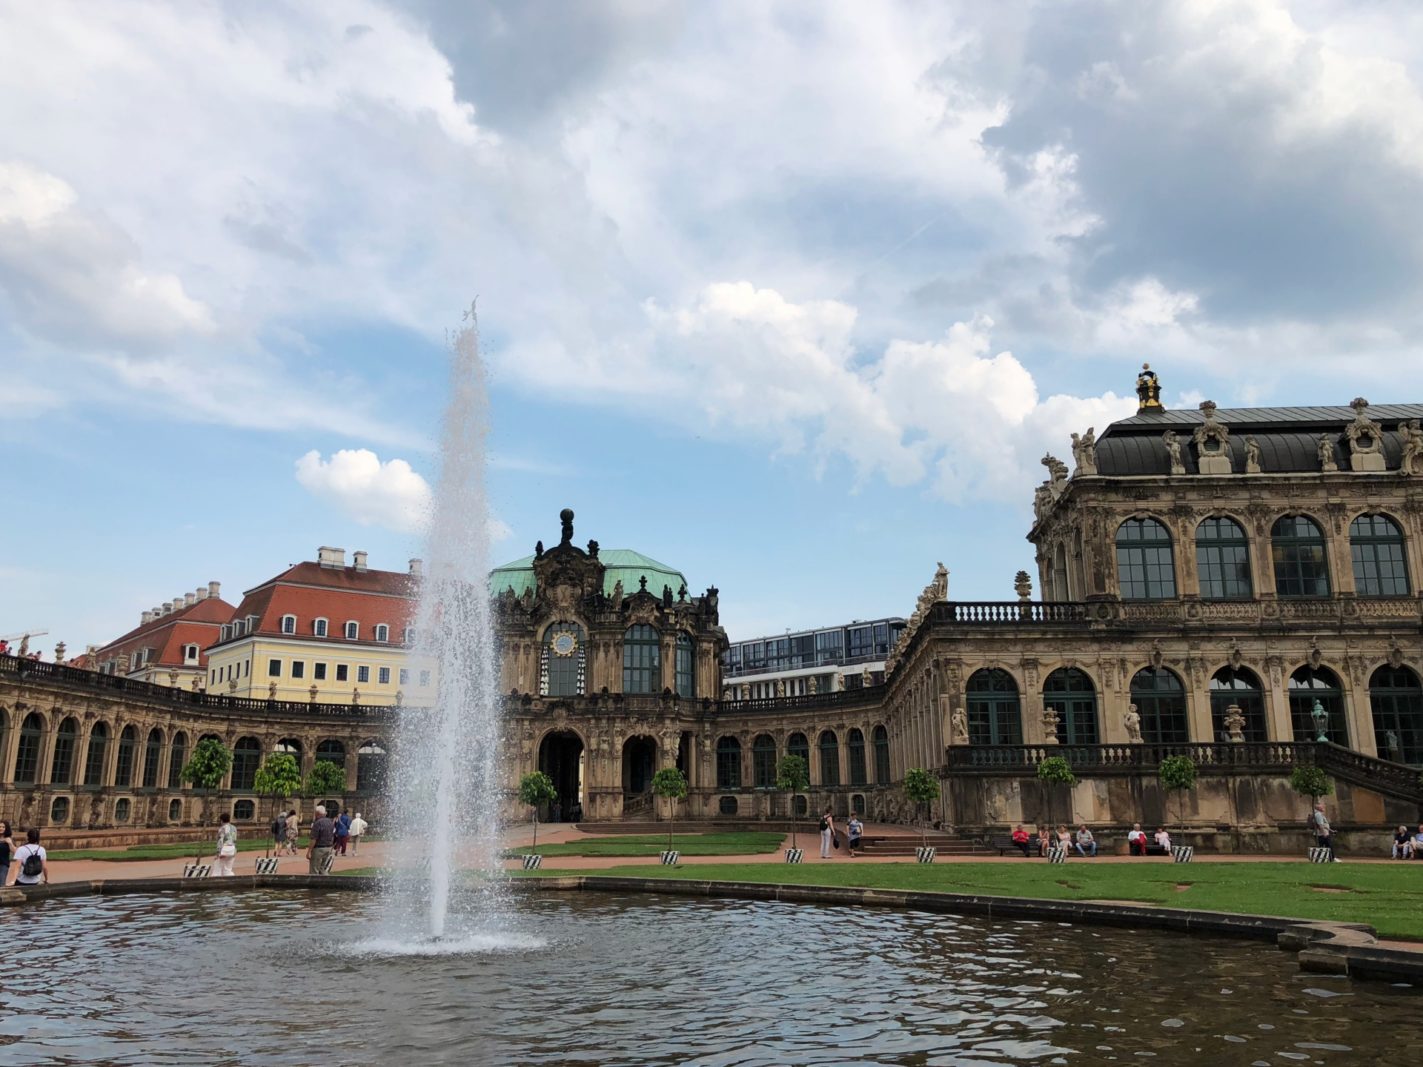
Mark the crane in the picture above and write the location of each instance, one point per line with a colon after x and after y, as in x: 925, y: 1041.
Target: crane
x: 24, y: 639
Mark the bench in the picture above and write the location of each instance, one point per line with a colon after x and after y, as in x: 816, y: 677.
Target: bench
x: 1005, y: 843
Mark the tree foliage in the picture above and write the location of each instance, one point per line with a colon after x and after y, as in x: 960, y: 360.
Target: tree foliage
x: 922, y: 789
x: 1310, y: 781
x: 1055, y: 770
x: 326, y: 779
x: 670, y: 783
x: 792, y: 777
x: 1178, y: 773
x: 279, y: 777
x: 205, y: 769
x: 536, y: 788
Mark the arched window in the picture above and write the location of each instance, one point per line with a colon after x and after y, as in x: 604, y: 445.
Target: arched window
x: 1297, y: 548
x: 855, y: 742
x: 94, y: 757
x: 728, y: 763
x: 994, y: 711
x: 27, y: 754
x: 1144, y: 567
x: 1241, y: 688
x: 1223, y: 559
x: 370, y: 767
x: 382, y: 632
x: 563, y: 661
x: 1397, y: 701
x: 686, y: 670
x: 288, y: 624
x: 332, y: 751
x: 123, y: 765
x: 798, y: 745
x: 763, y: 761
x: 176, y: 758
x: 829, y: 758
x: 152, y: 754
x: 244, y: 810
x: 1311, y: 685
x: 1376, y: 547
x: 59, y: 811
x: 246, y: 758
x: 1160, y: 700
x: 642, y: 659
x: 66, y: 739
x: 1069, y: 692
x: 881, y: 739
x: 318, y: 627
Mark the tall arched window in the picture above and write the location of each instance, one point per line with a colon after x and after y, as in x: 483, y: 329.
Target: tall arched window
x: 1223, y: 559
x: 1069, y: 692
x: 370, y: 767
x: 246, y: 758
x: 763, y: 761
x: 994, y: 711
x: 1241, y: 688
x: 1376, y: 547
x: 798, y: 745
x: 1309, y: 685
x: 881, y: 739
x: 642, y: 659
x: 686, y: 671
x: 728, y: 763
x: 66, y: 739
x: 27, y: 753
x: 1160, y: 700
x: 177, y: 756
x: 1144, y: 567
x: 564, y: 661
x: 855, y: 742
x: 332, y: 751
x: 829, y: 758
x: 1301, y: 566
x: 1397, y: 702
x: 98, y: 749
x: 152, y: 754
x: 123, y: 764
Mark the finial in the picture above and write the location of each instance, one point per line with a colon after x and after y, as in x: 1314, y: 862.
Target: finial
x: 1148, y: 391
x: 566, y: 516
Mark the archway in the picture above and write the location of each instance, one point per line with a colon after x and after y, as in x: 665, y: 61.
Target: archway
x: 639, y: 764
x: 561, y: 758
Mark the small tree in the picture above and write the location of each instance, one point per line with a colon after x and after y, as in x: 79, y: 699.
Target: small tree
x: 1178, y: 773
x: 279, y: 777
x: 922, y: 789
x: 536, y: 788
x: 205, y: 769
x: 671, y: 783
x: 1055, y: 770
x: 326, y: 779
x: 792, y: 777
x: 1310, y: 781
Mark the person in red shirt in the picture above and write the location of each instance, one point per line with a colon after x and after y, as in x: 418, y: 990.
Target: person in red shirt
x: 1021, y: 839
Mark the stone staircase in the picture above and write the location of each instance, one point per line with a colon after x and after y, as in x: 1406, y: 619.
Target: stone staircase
x: 946, y: 844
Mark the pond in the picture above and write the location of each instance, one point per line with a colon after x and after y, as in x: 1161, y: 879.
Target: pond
x: 267, y: 977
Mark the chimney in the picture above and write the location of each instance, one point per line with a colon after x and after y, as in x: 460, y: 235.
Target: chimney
x: 175, y: 604
x: 213, y: 587
x: 147, y: 617
x: 189, y: 599
x: 333, y: 558
x: 201, y: 592
x: 155, y: 612
x: 359, y: 559
x: 417, y: 568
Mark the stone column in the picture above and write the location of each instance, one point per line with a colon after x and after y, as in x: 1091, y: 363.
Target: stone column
x: 1277, y: 701
x: 1358, y: 710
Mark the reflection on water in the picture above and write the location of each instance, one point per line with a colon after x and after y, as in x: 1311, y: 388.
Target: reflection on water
x: 600, y: 979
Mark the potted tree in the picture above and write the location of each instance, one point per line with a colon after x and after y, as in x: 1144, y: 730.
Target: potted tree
x: 279, y: 777
x: 1311, y: 781
x: 1179, y: 773
x: 535, y: 789
x: 671, y: 784
x: 792, y: 777
x: 205, y: 769
x: 325, y: 780
x: 1055, y: 771
x: 922, y: 789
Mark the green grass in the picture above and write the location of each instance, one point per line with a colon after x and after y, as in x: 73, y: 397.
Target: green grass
x: 1387, y: 896
x: 170, y: 851
x: 749, y: 843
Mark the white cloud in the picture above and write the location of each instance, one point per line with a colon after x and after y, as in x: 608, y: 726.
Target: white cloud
x: 389, y: 494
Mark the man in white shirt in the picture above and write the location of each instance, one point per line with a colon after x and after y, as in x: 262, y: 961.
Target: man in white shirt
x: 1136, y: 840
x: 31, y: 860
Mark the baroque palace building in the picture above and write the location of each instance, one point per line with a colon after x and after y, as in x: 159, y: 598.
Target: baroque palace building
x: 1227, y: 584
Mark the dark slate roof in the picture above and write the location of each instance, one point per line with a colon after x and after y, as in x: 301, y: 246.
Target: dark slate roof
x: 1288, y: 437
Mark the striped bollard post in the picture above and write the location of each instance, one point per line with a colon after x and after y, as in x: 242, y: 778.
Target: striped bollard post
x: 925, y: 855
x: 197, y: 870
x: 266, y: 864
x: 1057, y: 855
x: 534, y: 862
x: 794, y: 855
x: 1318, y: 855
x: 669, y: 859
x: 1182, y: 853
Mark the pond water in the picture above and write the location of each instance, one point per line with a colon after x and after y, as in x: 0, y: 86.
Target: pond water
x: 268, y: 977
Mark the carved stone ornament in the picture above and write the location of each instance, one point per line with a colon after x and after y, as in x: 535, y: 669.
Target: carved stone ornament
x: 1412, y: 434
x: 1084, y: 452
x: 1212, y: 440
x: 1314, y: 656
x: 1057, y: 474
x: 1327, y: 462
x: 1156, y: 656
x: 1235, y: 723
x: 1051, y: 720
x: 1235, y: 656
x: 959, y: 721
x: 1395, y: 653
x: 1365, y: 438
x: 1132, y: 721
x: 1252, y: 455
x: 1173, y: 451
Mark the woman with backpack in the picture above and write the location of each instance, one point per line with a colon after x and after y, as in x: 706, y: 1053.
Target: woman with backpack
x: 33, y: 860
x: 226, y: 846
x: 827, y: 833
x: 7, y: 850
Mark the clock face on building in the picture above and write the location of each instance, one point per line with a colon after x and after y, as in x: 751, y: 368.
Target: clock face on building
x: 564, y: 643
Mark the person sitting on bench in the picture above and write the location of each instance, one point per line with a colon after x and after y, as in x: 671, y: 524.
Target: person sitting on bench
x: 1403, y: 844
x: 1163, y: 840
x: 1136, y: 840
x: 1021, y: 839
x: 1086, y: 843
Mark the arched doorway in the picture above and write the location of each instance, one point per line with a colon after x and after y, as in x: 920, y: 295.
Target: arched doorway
x: 639, y: 764
x: 561, y: 758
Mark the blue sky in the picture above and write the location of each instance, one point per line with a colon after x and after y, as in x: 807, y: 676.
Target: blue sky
x: 793, y: 297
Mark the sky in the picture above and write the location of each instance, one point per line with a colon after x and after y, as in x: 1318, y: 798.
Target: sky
x: 793, y: 297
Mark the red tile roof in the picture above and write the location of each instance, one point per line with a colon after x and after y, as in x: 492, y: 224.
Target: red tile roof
x: 198, y: 624
x: 338, y: 594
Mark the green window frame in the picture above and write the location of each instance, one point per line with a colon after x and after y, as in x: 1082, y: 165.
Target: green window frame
x: 1146, y: 569
x: 642, y: 659
x: 1223, y: 559
x: 995, y: 711
x: 829, y: 747
x: 763, y: 761
x: 881, y: 742
x: 1396, y: 700
x: 855, y: 744
x: 177, y: 755
x: 246, y: 758
x: 152, y: 755
x: 1235, y: 685
x: 123, y: 764
x: 728, y: 763
x: 27, y: 752
x: 1160, y: 700
x: 686, y: 675
x: 66, y: 740
x: 96, y: 751
x: 1376, y: 550
x: 1070, y: 692
x: 1300, y: 557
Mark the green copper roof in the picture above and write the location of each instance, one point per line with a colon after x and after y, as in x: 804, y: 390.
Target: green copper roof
x: 623, y: 565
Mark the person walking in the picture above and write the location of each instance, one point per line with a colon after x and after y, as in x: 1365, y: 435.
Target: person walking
x: 279, y: 832
x: 226, y: 846
x: 343, y: 832
x: 323, y: 838
x: 827, y: 833
x: 856, y: 830
x: 7, y: 849
x: 1323, y: 835
x: 358, y: 827
x: 32, y: 859
x: 293, y: 831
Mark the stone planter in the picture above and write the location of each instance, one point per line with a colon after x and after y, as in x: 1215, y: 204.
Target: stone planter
x: 925, y: 855
x: 669, y: 859
x: 794, y: 855
x: 533, y: 863
x: 1057, y: 855
x: 1182, y: 853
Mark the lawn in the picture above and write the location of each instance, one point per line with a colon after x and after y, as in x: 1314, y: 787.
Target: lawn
x: 632, y: 845
x: 172, y: 851
x: 1389, y: 897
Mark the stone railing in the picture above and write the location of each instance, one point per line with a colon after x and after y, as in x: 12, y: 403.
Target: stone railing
x: 1397, y: 779
x: 1012, y: 612
x: 866, y: 696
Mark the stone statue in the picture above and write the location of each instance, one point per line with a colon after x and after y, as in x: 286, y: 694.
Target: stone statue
x: 1321, y: 721
x: 1051, y: 721
x: 959, y: 720
x: 271, y: 690
x: 1252, y: 455
x: 1057, y: 474
x: 1327, y: 461
x: 866, y: 678
x: 538, y: 550
x: 1235, y: 723
x: 780, y: 687
x: 566, y: 518
x: 811, y: 685
x: 1173, y: 451
x: 1042, y: 501
x: 1412, y: 434
x: 617, y: 594
x: 1132, y: 721
x: 355, y: 696
x: 1390, y: 741
x: 941, y: 583
x: 312, y: 692
x: 593, y: 549
x: 666, y: 596
x: 1084, y: 451
x: 1365, y: 438
x: 1212, y: 441
x: 745, y: 692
